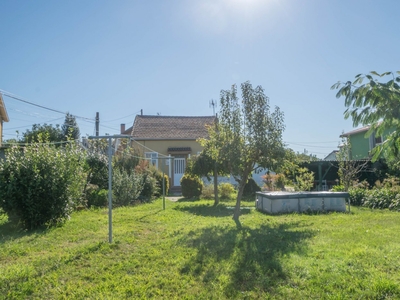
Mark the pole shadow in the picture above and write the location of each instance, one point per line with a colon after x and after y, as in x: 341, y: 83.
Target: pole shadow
x: 207, y: 210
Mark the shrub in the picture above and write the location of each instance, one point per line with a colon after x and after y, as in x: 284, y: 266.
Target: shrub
x: 304, y: 180
x: 250, y: 188
x: 97, y: 169
x: 149, y: 187
x: 379, y: 198
x: 40, y: 184
x: 208, y: 191
x: 273, y: 182
x: 226, y: 190
x: 357, y: 195
x: 395, y: 203
x: 126, y: 158
x: 338, y: 188
x: 192, y: 186
x: 152, y: 181
x: 158, y: 176
x: 96, y: 197
x: 126, y: 187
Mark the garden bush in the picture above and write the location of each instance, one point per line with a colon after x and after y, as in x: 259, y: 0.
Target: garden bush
x: 158, y: 176
x: 149, y: 187
x: 379, y: 198
x: 274, y: 182
x: 152, y: 181
x: 96, y: 197
x: 338, y: 188
x: 97, y: 169
x: 226, y: 191
x: 192, y: 186
x: 126, y: 187
x: 41, y: 184
x: 356, y: 195
x: 208, y: 191
x: 395, y: 204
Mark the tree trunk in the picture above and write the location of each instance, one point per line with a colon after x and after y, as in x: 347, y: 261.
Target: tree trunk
x: 216, y: 199
x: 236, y: 213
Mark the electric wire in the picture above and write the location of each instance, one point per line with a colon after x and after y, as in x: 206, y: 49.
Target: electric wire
x: 134, y: 114
x: 15, y: 97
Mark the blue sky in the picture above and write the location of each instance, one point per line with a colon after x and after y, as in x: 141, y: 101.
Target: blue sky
x: 173, y: 57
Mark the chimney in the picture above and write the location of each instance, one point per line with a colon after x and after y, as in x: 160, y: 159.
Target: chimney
x: 122, y: 128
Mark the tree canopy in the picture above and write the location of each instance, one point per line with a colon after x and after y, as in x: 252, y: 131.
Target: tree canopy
x: 247, y: 136
x: 376, y: 104
x: 43, y: 133
x: 70, y: 128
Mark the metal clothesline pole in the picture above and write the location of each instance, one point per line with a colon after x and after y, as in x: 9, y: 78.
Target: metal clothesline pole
x: 163, y: 177
x: 110, y: 137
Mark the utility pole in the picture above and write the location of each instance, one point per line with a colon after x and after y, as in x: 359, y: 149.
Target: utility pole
x: 97, y: 123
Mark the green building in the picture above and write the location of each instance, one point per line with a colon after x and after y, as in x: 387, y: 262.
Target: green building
x: 361, y: 145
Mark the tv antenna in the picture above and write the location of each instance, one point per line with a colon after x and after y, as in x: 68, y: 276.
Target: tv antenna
x: 213, y: 103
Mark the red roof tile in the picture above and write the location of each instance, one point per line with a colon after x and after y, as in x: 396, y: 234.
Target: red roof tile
x: 170, y: 127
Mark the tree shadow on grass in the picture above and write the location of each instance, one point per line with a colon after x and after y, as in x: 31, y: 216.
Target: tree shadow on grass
x: 206, y: 210
x: 253, y: 255
x: 195, y: 199
x: 11, y: 230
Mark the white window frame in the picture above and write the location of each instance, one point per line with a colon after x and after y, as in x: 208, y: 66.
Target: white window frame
x: 152, y: 157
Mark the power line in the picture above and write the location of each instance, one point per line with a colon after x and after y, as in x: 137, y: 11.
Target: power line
x: 134, y: 114
x: 12, y: 96
x: 311, y: 146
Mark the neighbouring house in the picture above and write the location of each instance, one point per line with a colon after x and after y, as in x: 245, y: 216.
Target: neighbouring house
x: 161, y: 137
x: 361, y: 145
x: 331, y: 156
x: 3, y: 118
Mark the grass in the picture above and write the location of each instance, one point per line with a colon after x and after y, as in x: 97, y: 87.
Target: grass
x: 193, y: 250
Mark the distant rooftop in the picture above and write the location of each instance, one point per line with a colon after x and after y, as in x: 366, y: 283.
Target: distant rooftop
x: 171, y: 127
x: 358, y: 130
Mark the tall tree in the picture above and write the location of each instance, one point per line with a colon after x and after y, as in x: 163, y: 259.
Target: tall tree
x: 42, y: 133
x: 247, y: 136
x: 374, y: 103
x: 70, y: 128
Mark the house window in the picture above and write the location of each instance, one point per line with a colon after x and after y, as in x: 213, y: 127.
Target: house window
x: 152, y: 157
x: 374, y: 141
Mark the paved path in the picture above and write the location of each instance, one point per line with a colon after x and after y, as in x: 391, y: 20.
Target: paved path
x: 173, y: 198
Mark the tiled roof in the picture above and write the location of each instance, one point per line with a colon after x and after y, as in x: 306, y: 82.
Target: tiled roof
x: 358, y: 130
x: 170, y: 127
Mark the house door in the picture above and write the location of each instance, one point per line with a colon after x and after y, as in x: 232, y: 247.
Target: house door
x: 179, y: 169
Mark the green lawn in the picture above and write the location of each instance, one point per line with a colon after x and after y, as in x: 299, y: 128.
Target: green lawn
x: 195, y: 251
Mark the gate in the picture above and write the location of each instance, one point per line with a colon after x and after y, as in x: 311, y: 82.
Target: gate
x: 179, y: 169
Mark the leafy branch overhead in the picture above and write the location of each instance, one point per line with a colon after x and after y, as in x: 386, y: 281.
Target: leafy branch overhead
x: 371, y: 101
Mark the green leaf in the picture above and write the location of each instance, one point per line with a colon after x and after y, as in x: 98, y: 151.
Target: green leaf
x: 358, y: 80
x: 375, y: 73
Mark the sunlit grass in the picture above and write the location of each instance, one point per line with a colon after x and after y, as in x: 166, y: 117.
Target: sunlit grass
x: 195, y: 250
